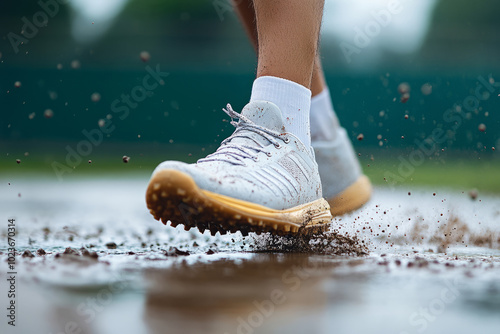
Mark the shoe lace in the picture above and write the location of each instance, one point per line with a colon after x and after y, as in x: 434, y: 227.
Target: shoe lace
x: 236, y: 153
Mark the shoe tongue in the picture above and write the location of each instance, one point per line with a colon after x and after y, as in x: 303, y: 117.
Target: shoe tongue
x: 265, y: 114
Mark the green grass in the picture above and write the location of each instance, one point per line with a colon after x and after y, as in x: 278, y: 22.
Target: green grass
x: 454, y: 173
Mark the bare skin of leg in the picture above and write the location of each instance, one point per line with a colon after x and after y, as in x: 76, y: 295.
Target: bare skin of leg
x: 287, y: 35
x: 247, y: 14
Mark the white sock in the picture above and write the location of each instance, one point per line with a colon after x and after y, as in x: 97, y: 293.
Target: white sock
x: 324, y: 121
x: 294, y: 101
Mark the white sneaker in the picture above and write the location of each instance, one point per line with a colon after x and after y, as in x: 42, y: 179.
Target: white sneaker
x: 260, y: 179
x: 344, y: 185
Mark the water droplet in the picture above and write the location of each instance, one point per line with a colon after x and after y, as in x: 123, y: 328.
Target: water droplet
x: 75, y: 64
x: 403, y: 88
x: 145, y: 56
x: 95, y: 97
x: 48, y: 113
x: 426, y: 89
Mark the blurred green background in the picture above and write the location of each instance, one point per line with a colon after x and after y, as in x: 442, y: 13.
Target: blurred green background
x: 209, y: 61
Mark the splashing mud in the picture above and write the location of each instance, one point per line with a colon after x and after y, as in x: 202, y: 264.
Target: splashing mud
x: 326, y: 243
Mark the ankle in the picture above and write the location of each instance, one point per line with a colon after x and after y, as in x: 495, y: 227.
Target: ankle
x: 293, y: 100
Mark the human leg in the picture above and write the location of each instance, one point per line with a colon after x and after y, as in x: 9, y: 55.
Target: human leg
x: 263, y: 177
x: 344, y: 185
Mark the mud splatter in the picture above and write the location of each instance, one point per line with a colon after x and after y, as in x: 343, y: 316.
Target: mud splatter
x: 326, y: 243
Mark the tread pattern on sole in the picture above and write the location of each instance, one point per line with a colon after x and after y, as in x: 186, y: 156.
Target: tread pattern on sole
x: 173, y: 196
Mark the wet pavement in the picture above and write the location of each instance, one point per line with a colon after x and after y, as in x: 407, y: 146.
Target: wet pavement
x: 424, y: 261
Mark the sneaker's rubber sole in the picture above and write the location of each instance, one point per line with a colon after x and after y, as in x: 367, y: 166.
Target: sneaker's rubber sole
x: 352, y: 198
x: 174, y: 196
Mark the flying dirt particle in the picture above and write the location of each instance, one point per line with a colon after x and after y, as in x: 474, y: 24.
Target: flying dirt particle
x: 19, y: 195
x: 53, y: 95
x: 405, y: 97
x: 174, y: 251
x: 361, y: 136
x: 90, y: 161
x: 493, y: 148
x: 86, y: 253
x: 426, y: 89
x: 409, y: 193
x: 41, y: 252
x: 70, y: 251
x: 48, y: 113
x: 95, y: 97
x: 101, y: 123
x: 402, y: 137
x: 473, y: 194
x: 403, y: 88
x: 32, y: 115
x: 125, y: 159
x: 75, y: 64
x: 27, y: 253
x: 482, y: 127
x: 145, y: 56
x: 18, y: 161
x: 110, y: 245
x: 406, y: 116
x: 17, y: 84
x: 171, y: 141
x: 433, y: 194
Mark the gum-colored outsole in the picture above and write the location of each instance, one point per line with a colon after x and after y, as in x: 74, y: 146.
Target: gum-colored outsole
x: 174, y: 196
x: 354, y: 197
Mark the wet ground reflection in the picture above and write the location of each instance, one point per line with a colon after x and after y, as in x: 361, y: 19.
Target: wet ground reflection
x: 260, y: 294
